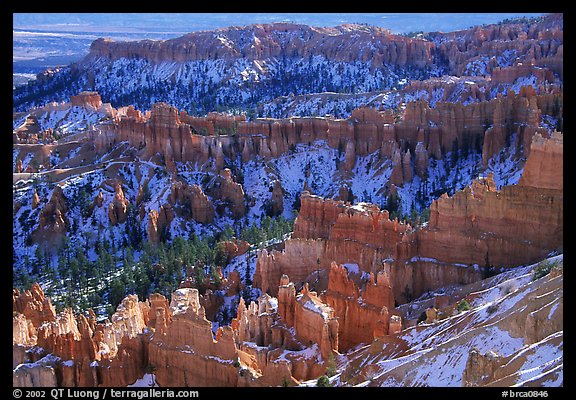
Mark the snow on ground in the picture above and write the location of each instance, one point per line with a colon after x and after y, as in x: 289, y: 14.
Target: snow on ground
x: 69, y: 120
x: 436, y: 353
x: 507, y: 167
x: 315, y: 165
x: 541, y: 358
x: 369, y: 179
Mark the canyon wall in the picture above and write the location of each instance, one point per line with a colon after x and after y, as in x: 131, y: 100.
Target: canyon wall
x: 478, y: 228
x: 184, y: 351
x: 363, y: 313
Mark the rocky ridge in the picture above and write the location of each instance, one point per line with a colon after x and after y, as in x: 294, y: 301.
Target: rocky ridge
x: 265, y: 41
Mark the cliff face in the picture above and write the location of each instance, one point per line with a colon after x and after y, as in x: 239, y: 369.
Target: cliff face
x: 87, y: 100
x: 362, y: 313
x: 33, y: 305
x: 76, y: 351
x: 476, y: 228
x: 230, y: 192
x: 493, y: 227
x: 544, y: 167
x: 184, y: 351
x: 501, y: 223
x: 492, y: 344
x: 538, y: 42
x: 268, y: 343
x: 159, y: 222
x: 328, y: 230
x: 372, y: 264
x: 313, y: 320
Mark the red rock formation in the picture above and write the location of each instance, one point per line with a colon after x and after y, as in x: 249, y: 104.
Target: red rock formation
x: 270, y: 266
x: 118, y: 208
x: 395, y: 325
x: 544, y: 167
x: 480, y: 367
x: 128, y: 365
x: 52, y: 222
x: 275, y: 359
x: 61, y: 337
x: 140, y: 195
x: 35, y: 200
x: 327, y: 231
x: 350, y: 156
x: 277, y: 199
x: 97, y: 202
x: 87, y: 100
x: 28, y: 132
x: 179, y: 137
x: 510, y: 74
x: 407, y: 167
x: 232, y: 284
x: 453, y: 88
x: 23, y: 331
x: 172, y: 340
x: 40, y: 374
x: 159, y: 221
x: 421, y: 160
x: 318, y: 216
x: 540, y: 41
x: 234, y: 248
x: 362, y: 314
x: 397, y: 175
x: 313, y: 320
x: 481, y: 225
x: 153, y: 229
x: 121, y: 344
x: 35, y: 306
x: 114, y: 347
x: 186, y: 353
x: 230, y: 192
x: 201, y: 207
x: 477, y: 227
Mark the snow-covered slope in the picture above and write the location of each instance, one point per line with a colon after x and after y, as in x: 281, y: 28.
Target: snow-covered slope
x: 514, y: 320
x: 200, y: 86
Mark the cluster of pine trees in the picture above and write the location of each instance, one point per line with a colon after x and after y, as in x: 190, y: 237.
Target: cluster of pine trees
x: 100, y: 276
